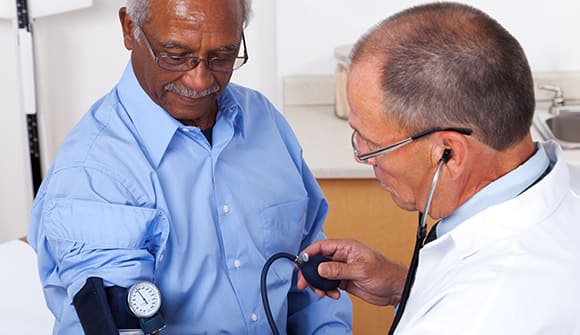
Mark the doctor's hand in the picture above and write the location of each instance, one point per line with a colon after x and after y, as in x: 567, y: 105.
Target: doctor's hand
x: 363, y: 271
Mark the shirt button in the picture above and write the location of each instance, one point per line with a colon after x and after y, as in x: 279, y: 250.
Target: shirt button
x: 184, y: 129
x: 226, y: 209
x: 237, y: 263
x: 254, y: 317
x: 161, y: 257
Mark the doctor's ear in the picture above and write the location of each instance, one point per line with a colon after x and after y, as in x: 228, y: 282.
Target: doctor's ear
x: 452, y: 151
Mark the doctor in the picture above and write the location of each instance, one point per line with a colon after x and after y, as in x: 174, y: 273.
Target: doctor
x: 442, y: 100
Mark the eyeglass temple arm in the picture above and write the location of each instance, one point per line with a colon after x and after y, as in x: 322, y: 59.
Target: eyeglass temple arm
x: 464, y: 131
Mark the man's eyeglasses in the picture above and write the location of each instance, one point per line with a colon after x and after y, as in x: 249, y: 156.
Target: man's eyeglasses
x: 356, y: 139
x: 187, y: 63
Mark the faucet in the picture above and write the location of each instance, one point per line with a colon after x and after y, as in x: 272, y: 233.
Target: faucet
x: 557, y: 100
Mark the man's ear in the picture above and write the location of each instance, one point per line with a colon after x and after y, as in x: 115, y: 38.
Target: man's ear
x: 457, y: 146
x: 128, y: 27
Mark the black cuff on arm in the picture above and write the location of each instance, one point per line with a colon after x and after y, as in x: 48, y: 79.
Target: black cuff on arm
x: 93, y: 309
x: 116, y: 296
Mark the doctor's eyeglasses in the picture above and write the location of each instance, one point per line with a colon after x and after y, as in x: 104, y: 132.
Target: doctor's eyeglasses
x: 356, y: 140
x: 178, y: 63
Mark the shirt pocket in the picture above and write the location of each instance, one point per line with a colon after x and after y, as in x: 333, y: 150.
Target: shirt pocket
x: 284, y: 226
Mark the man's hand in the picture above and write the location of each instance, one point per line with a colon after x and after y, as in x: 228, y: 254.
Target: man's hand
x: 363, y: 271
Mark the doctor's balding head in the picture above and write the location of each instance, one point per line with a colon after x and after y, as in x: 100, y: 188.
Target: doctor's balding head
x: 451, y: 64
x: 440, y: 77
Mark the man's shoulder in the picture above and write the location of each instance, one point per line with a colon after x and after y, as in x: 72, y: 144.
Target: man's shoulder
x: 100, y: 135
x: 557, y: 157
x: 246, y: 97
x: 254, y: 105
x: 240, y: 90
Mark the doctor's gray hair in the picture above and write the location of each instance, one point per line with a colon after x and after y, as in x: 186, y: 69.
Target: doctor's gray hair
x: 449, y: 64
x: 138, y: 10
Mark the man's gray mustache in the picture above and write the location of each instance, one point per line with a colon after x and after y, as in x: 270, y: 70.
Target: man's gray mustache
x: 187, y: 92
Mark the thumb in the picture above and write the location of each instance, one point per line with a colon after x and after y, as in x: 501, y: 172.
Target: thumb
x: 334, y: 270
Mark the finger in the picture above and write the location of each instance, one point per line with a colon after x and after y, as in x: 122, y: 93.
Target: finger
x: 314, y: 249
x: 335, y: 249
x: 301, y: 283
x: 334, y: 294
x: 319, y: 293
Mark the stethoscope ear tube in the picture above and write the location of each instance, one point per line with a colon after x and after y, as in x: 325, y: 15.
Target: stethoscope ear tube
x: 446, y: 155
x: 421, y: 232
x: 423, y: 223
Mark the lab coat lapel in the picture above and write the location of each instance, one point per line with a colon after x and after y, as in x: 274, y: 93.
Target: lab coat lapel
x: 496, y: 223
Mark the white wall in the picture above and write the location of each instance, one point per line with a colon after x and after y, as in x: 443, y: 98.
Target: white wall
x: 308, y: 31
x: 80, y: 56
x: 260, y: 71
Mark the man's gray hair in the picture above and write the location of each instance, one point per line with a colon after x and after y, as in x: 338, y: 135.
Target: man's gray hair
x: 449, y: 64
x: 138, y: 10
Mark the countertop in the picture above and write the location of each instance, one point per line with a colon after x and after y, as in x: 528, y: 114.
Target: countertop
x: 325, y: 140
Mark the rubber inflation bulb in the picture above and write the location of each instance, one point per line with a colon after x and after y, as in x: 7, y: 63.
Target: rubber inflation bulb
x: 310, y: 272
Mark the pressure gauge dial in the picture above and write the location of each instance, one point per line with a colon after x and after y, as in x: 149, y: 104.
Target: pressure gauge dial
x: 144, y: 299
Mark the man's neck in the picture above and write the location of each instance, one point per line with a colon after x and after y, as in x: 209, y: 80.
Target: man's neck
x: 486, y: 166
x: 203, y: 123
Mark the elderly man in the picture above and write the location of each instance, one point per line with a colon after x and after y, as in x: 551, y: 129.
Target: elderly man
x: 165, y: 201
x: 442, y: 101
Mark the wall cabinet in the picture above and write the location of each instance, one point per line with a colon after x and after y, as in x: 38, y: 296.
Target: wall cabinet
x: 361, y: 209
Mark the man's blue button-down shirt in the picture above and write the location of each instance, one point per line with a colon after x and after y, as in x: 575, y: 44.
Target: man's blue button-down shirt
x: 134, y: 194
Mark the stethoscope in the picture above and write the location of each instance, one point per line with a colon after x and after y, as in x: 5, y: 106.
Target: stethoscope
x: 309, y: 264
x: 422, y: 224
x: 421, y: 233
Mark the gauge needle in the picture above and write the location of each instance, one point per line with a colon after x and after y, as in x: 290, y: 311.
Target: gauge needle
x: 142, y: 297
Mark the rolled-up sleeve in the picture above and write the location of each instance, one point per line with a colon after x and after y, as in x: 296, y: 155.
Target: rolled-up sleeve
x: 88, y: 238
x: 96, y: 227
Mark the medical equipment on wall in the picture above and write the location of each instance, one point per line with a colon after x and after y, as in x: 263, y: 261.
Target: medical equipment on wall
x: 23, y: 13
x: 25, y: 146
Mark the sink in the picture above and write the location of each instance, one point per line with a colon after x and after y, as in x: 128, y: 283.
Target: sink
x: 561, y: 124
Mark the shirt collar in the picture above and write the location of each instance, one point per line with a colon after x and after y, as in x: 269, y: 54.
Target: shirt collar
x: 230, y: 108
x: 155, y: 127
x: 500, y: 190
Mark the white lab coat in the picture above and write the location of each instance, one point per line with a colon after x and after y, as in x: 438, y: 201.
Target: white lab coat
x: 513, y: 268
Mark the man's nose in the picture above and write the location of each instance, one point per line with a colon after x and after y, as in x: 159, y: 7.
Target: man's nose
x: 199, y: 78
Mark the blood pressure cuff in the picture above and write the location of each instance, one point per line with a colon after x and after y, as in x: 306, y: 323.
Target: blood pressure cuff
x: 117, y: 298
x: 93, y: 309
x: 102, y: 311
